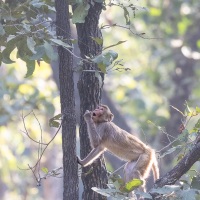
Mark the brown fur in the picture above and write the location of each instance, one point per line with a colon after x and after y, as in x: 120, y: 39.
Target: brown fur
x: 105, y: 135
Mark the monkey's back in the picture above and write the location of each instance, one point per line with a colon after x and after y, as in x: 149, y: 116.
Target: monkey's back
x: 122, y: 144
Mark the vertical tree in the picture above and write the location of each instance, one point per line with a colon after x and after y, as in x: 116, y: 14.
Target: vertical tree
x: 67, y: 103
x: 90, y: 96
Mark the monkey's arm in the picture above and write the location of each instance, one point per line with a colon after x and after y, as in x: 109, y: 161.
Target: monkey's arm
x: 95, y: 138
x: 93, y: 155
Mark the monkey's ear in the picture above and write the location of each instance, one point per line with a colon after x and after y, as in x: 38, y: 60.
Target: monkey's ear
x: 111, y: 117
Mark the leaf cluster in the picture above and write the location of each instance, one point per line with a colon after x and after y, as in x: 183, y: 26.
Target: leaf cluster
x: 27, y: 28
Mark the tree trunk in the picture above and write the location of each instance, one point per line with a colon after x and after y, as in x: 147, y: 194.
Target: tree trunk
x: 70, y: 167
x: 90, y: 95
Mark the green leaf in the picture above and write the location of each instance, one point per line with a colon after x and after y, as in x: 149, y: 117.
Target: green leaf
x: 45, y: 170
x: 10, y: 46
x: 171, y: 150
x: 50, y: 51
x: 155, y: 11
x: 195, y: 184
x: 104, y: 192
x: 130, y: 186
x: 183, y: 25
x: 98, y: 40
x: 23, y: 52
x: 53, y: 122
x: 113, y: 45
x: 40, y: 51
x: 2, y: 31
x: 80, y: 12
x: 183, y: 137
x: 30, y: 64
x: 197, y: 110
x: 105, y: 59
x: 11, y: 30
x: 197, y: 125
x: 143, y: 194
x: 102, y: 67
x: 188, y: 194
x: 61, y: 43
x: 198, y: 44
x: 167, y: 189
x: 31, y: 44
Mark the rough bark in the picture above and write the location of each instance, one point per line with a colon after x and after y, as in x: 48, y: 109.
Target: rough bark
x: 90, y: 95
x: 70, y: 167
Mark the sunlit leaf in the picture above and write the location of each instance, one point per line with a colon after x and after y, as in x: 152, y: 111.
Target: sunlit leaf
x: 53, y: 122
x: 30, y: 64
x: 155, y: 11
x: 198, y: 44
x: 98, y: 40
x: 197, y: 110
x: 113, y: 45
x: 130, y: 186
x: 45, y: 170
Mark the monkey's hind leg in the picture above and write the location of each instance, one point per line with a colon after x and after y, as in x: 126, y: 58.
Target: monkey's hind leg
x: 131, y: 173
x: 139, y: 169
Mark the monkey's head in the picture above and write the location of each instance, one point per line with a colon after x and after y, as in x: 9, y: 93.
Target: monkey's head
x: 102, y: 114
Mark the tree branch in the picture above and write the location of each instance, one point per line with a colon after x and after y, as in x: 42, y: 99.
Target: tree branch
x: 181, y: 168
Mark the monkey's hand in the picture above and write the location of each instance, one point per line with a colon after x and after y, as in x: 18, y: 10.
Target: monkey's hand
x: 78, y: 160
x: 87, y: 115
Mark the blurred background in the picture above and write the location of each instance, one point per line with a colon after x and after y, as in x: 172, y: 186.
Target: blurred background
x: 164, y: 70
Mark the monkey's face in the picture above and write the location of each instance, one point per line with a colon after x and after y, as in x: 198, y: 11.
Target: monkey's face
x: 102, y: 114
x: 97, y: 113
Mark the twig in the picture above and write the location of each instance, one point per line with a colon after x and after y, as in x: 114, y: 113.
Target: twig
x: 117, y: 170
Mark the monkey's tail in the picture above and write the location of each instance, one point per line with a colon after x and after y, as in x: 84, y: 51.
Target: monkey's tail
x: 155, y: 169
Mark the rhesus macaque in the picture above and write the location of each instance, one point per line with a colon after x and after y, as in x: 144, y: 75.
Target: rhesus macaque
x: 105, y: 135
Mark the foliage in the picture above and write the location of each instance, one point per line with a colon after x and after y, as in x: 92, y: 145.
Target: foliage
x: 30, y: 29
x: 27, y: 27
x: 19, y: 95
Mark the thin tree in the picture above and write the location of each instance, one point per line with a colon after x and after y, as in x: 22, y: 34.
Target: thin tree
x: 67, y: 100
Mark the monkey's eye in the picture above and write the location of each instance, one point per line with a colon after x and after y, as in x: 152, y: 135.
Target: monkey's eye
x: 94, y: 114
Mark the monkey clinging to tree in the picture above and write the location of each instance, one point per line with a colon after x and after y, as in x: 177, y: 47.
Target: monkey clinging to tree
x: 105, y: 135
